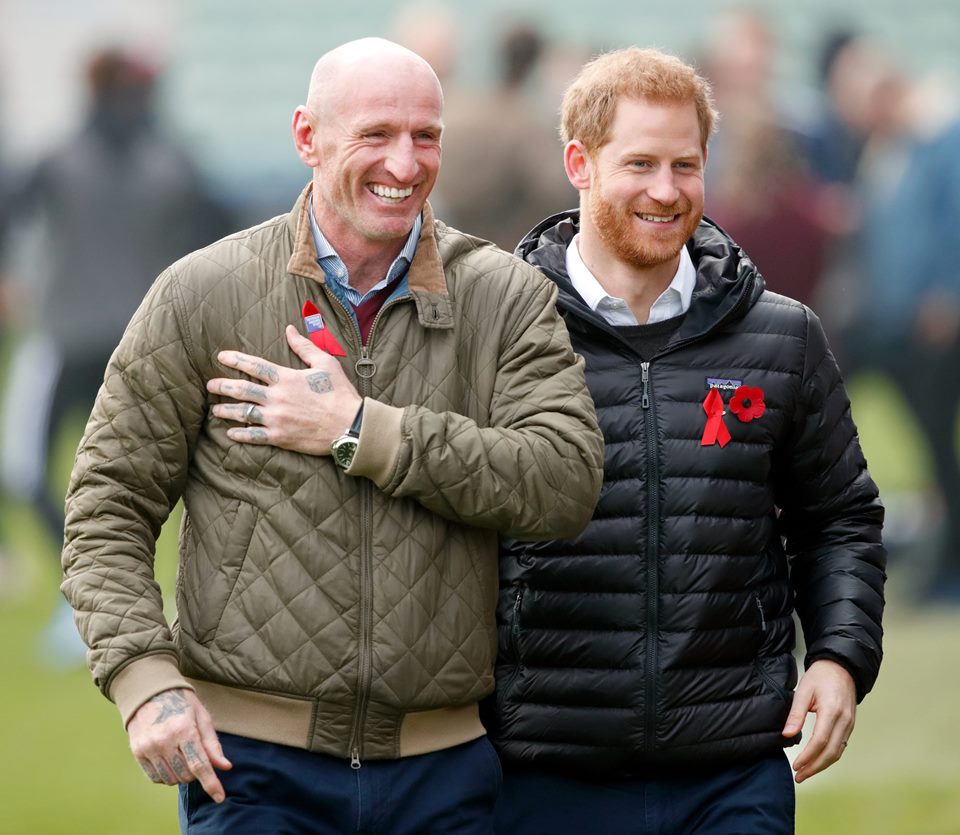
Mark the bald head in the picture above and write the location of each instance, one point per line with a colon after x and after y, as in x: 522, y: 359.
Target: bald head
x: 337, y: 71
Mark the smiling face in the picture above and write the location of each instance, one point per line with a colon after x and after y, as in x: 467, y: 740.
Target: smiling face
x: 373, y: 138
x: 645, y: 195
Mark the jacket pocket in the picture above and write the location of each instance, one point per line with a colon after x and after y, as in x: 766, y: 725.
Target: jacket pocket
x: 770, y: 680
x: 207, y: 596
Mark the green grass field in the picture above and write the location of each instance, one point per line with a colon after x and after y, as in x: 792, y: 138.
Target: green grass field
x: 66, y: 768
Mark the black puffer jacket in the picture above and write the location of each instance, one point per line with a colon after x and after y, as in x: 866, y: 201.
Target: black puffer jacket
x: 663, y: 634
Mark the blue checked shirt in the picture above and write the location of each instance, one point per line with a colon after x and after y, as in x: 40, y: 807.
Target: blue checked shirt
x: 334, y: 268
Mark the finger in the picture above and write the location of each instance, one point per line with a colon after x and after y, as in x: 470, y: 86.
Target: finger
x: 151, y: 772
x: 164, y: 772
x: 304, y: 348
x: 200, y: 767
x: 240, y: 412
x: 210, y: 740
x: 179, y: 767
x: 255, y: 435
x: 237, y: 389
x: 254, y: 366
x: 831, y: 751
x: 798, y: 712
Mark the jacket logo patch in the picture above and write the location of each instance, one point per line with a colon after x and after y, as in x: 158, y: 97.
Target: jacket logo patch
x: 723, y: 383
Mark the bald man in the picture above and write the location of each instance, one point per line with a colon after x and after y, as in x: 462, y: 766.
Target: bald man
x: 352, y: 400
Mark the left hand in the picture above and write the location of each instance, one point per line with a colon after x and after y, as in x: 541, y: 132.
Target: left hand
x: 302, y: 410
x: 828, y: 690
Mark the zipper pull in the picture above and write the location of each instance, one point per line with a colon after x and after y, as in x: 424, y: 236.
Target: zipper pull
x: 355, y: 759
x: 763, y: 620
x: 645, y: 378
x: 365, y: 366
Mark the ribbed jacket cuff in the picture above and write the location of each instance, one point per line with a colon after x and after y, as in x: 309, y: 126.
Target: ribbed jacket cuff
x: 141, y: 680
x: 379, y: 445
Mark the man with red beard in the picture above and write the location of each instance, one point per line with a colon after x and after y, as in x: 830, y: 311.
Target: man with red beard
x: 645, y: 675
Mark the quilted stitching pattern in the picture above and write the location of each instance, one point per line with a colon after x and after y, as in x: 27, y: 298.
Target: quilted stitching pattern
x: 503, y: 437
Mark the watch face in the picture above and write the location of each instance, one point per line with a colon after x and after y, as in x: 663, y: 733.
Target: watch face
x: 343, y: 450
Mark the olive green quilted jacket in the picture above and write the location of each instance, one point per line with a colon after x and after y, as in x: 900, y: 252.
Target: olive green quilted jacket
x: 350, y: 613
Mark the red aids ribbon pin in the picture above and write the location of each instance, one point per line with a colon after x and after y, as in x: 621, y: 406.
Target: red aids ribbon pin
x: 715, y: 431
x: 318, y: 333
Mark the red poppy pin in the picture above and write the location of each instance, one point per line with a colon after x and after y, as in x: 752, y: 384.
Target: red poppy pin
x: 747, y: 403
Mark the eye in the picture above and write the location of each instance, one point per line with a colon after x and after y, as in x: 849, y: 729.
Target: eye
x: 640, y: 163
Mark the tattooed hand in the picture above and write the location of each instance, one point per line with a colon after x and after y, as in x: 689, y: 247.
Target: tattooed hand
x: 173, y: 739
x: 303, y: 410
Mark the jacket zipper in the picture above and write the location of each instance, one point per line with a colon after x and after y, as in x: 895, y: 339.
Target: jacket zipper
x: 365, y: 368
x: 515, y: 628
x: 653, y: 560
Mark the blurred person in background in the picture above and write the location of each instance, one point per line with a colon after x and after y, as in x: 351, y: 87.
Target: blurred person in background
x: 338, y: 560
x: 498, y: 169
x: 110, y: 207
x: 832, y: 146
x: 645, y: 671
x: 760, y: 191
x: 907, y: 323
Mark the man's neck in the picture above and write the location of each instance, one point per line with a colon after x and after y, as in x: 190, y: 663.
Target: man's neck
x: 639, y: 287
x: 367, y: 261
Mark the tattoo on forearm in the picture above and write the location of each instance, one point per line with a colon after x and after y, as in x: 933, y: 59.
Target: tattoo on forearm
x: 171, y: 704
x: 320, y: 382
x: 267, y: 372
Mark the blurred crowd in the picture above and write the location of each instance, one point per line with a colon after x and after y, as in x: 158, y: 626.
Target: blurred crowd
x: 846, y: 201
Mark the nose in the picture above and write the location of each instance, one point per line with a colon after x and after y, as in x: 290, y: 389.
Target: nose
x: 663, y: 187
x: 401, y: 160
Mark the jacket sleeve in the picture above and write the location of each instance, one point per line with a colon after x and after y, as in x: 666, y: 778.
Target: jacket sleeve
x: 129, y: 472
x: 534, y: 472
x: 832, y: 518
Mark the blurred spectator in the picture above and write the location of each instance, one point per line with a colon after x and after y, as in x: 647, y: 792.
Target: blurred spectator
x: 835, y: 139
x: 501, y: 160
x: 908, y: 324
x: 760, y: 191
x: 111, y: 208
x: 429, y: 28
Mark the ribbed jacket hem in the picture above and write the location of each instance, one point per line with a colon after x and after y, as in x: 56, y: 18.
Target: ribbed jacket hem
x: 289, y: 720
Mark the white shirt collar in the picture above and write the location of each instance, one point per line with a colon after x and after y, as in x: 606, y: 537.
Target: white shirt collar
x: 672, y: 302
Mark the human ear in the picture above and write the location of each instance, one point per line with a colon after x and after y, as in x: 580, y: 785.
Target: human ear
x: 576, y: 162
x: 304, y: 137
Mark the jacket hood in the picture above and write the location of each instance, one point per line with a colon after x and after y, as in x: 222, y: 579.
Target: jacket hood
x: 728, y: 283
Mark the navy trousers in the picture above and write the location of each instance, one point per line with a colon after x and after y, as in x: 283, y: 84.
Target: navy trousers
x: 752, y: 799
x: 278, y: 790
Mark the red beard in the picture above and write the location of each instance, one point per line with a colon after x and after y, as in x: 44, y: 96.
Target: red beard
x: 619, y: 230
